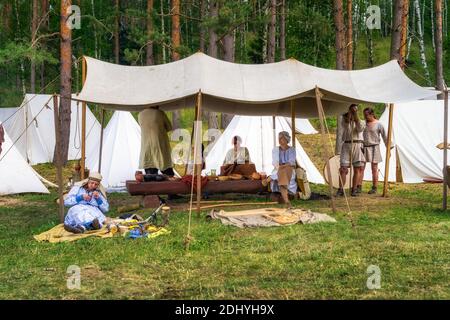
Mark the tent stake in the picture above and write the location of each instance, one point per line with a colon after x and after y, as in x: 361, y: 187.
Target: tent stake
x: 101, y: 141
x: 327, y: 156
x: 388, y: 150
x: 444, y: 190
x: 198, y: 156
x: 293, y: 123
x: 83, y: 124
x: 58, y: 161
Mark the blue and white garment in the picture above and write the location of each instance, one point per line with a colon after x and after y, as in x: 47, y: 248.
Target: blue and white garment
x: 280, y: 156
x: 82, y: 213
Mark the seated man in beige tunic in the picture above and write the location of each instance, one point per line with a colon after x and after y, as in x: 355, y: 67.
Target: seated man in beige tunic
x: 237, y: 154
x: 374, y: 129
x: 155, y: 147
x: 349, y: 145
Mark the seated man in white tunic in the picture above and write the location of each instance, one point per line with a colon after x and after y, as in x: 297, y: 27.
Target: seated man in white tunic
x: 88, y: 203
x: 237, y: 154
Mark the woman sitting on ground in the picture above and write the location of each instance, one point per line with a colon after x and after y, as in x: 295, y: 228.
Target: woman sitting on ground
x: 88, y: 203
x: 282, y: 178
x: 237, y: 154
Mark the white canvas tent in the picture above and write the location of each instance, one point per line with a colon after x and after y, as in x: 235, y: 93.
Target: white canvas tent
x: 37, y: 143
x: 121, y: 148
x: 5, y: 113
x: 418, y: 128
x: 16, y: 175
x: 264, y: 89
x: 258, y: 136
x: 302, y: 126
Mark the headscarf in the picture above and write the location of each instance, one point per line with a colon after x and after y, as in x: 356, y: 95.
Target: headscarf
x: 93, y: 176
x: 285, y: 135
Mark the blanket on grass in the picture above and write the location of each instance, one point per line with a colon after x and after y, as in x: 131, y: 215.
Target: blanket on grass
x: 58, y: 234
x: 269, y: 217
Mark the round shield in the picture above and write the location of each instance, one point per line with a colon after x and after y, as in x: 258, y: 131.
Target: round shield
x: 334, y: 163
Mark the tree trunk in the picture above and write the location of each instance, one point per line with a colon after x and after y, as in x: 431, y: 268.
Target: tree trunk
x: 97, y: 55
x: 203, y: 4
x: 150, y: 57
x: 117, y: 32
x: 45, y: 26
x: 213, y: 121
x: 229, y: 50
x: 163, y: 32
x: 396, y: 36
x: 433, y: 36
x: 176, y: 41
x: 404, y: 34
x: 66, y: 81
x: 283, y: 30
x: 34, y: 30
x: 340, y: 34
x: 271, y: 31
x: 423, y: 57
x: 438, y: 41
x: 349, y: 63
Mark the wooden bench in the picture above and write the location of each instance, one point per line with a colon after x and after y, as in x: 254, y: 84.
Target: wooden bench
x: 150, y: 190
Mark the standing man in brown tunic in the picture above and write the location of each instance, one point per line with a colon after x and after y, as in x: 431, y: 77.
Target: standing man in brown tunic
x: 156, y: 153
x: 349, y: 145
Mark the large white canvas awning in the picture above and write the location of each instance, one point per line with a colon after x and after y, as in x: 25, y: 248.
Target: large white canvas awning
x: 245, y: 89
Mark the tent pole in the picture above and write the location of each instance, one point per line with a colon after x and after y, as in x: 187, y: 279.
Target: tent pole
x: 58, y: 157
x: 101, y: 141
x: 444, y: 191
x: 293, y: 123
x: 83, y: 124
x: 274, y: 133
x: 327, y: 156
x: 388, y: 150
x: 198, y: 156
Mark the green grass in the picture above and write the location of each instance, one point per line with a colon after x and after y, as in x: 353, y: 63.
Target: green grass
x: 406, y: 236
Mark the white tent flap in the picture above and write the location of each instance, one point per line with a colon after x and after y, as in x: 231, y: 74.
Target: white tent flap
x: 263, y: 89
x: 16, y: 175
x: 259, y: 137
x: 121, y: 148
x: 37, y: 143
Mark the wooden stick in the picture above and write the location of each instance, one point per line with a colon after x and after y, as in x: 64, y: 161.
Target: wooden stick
x: 58, y: 157
x: 293, y: 123
x: 327, y: 156
x: 444, y: 189
x: 388, y: 150
x: 198, y: 148
x: 83, y: 124
x: 238, y: 204
x: 101, y: 141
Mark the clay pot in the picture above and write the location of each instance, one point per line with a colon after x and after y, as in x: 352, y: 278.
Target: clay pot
x: 139, y: 176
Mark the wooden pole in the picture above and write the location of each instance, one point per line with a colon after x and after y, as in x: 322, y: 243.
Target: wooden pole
x: 58, y: 158
x: 293, y: 123
x: 198, y: 148
x: 274, y: 131
x: 83, y: 124
x: 444, y: 189
x: 388, y: 151
x: 327, y: 155
x: 101, y: 141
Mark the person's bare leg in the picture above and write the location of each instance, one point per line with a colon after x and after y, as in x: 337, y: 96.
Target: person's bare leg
x: 342, y: 178
x: 285, y: 196
x: 356, y: 175
x: 361, y: 177
x: 374, y: 178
